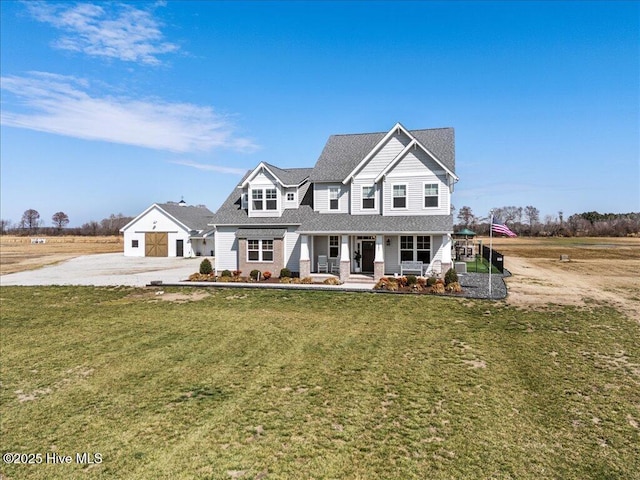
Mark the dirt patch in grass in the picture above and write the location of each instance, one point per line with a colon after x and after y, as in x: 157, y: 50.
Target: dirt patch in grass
x: 602, y: 271
x: 18, y: 254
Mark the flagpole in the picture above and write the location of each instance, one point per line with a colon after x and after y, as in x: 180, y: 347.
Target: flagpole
x: 490, y: 250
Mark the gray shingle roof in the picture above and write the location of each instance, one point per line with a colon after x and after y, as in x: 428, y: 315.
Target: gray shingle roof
x: 195, y: 218
x: 345, y: 223
x: 343, y: 153
x: 289, y: 176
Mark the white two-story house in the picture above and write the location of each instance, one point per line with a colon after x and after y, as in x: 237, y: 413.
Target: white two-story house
x: 371, y: 202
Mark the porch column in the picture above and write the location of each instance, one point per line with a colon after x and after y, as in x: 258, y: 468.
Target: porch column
x: 446, y: 253
x: 305, y: 262
x: 378, y: 261
x: 345, y: 259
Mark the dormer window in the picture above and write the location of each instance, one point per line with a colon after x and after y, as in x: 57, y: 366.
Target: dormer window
x: 291, y: 197
x: 368, y: 198
x: 256, y: 196
x: 272, y: 198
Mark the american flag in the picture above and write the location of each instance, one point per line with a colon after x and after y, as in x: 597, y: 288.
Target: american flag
x: 502, y: 228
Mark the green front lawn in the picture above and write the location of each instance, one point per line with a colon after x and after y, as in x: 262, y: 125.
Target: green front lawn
x: 293, y: 385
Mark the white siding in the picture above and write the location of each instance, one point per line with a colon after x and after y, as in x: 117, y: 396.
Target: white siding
x: 414, y: 170
x: 321, y: 198
x: 292, y: 250
x: 391, y: 255
x: 356, y: 197
x: 262, y: 181
x: 155, y: 220
x: 384, y: 156
x: 290, y: 204
x: 226, y: 249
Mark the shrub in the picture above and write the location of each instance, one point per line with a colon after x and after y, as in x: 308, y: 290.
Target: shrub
x: 285, y: 279
x: 266, y: 275
x: 386, y: 284
x: 236, y: 273
x: 454, y: 287
x: 200, y: 277
x: 332, y: 281
x: 225, y: 273
x: 450, y: 277
x: 205, y: 267
x: 422, y: 281
x: 411, y: 280
x: 307, y: 280
x: 285, y: 272
x: 431, y: 281
x: 401, y: 281
x: 437, y: 288
x: 255, y: 274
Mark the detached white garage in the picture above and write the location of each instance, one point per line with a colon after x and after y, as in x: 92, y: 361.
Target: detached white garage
x: 170, y: 230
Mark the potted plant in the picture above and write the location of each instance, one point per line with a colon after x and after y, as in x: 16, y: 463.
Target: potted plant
x: 357, y: 257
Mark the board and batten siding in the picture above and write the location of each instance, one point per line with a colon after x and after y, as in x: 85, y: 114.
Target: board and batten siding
x: 155, y: 220
x: 226, y: 249
x: 384, y: 156
x: 292, y: 249
x: 321, y: 198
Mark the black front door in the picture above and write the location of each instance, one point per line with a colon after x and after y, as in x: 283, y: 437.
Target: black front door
x: 179, y: 248
x: 368, y: 255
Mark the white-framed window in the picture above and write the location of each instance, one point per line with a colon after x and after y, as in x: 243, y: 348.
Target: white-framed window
x: 259, y: 250
x: 415, y: 248
x: 271, y: 195
x: 256, y: 197
x: 334, y: 246
x: 430, y: 195
x: 406, y: 248
x: 368, y: 198
x: 244, y: 203
x: 334, y: 198
x: 291, y: 197
x: 399, y: 196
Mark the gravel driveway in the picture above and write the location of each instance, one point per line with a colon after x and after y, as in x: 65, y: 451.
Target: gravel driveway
x: 107, y: 269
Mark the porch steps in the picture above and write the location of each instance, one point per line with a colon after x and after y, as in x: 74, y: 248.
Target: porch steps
x: 360, y: 278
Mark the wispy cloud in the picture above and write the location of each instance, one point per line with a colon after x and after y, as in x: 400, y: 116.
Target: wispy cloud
x: 212, y: 168
x: 111, y: 30
x: 63, y: 105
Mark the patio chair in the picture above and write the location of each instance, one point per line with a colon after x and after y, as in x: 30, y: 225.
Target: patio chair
x: 335, y: 267
x: 323, y: 264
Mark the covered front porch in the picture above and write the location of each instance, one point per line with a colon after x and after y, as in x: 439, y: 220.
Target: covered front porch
x: 376, y: 255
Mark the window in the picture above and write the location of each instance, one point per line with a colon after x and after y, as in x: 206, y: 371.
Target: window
x: 368, y: 198
x: 291, y: 197
x: 272, y: 198
x: 399, y: 196
x: 430, y: 195
x: 334, y: 198
x: 267, y: 250
x: 334, y: 246
x: 134, y: 243
x: 423, y: 249
x: 415, y: 248
x: 256, y: 196
x: 406, y: 248
x: 244, y: 202
x: 260, y: 250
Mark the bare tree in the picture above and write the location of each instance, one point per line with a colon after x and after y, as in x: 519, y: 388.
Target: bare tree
x: 30, y: 219
x: 5, y: 225
x: 533, y: 216
x: 60, y: 220
x: 466, y: 216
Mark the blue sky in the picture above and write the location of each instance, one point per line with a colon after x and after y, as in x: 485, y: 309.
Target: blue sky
x: 110, y: 107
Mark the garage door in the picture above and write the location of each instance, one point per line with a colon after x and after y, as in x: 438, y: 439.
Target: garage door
x: 156, y: 244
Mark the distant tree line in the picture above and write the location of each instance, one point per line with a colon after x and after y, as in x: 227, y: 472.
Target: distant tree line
x: 526, y: 221
x: 31, y: 223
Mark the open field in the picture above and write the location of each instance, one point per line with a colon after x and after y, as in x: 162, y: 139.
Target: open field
x: 18, y: 254
x: 604, y: 270
x: 258, y: 384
